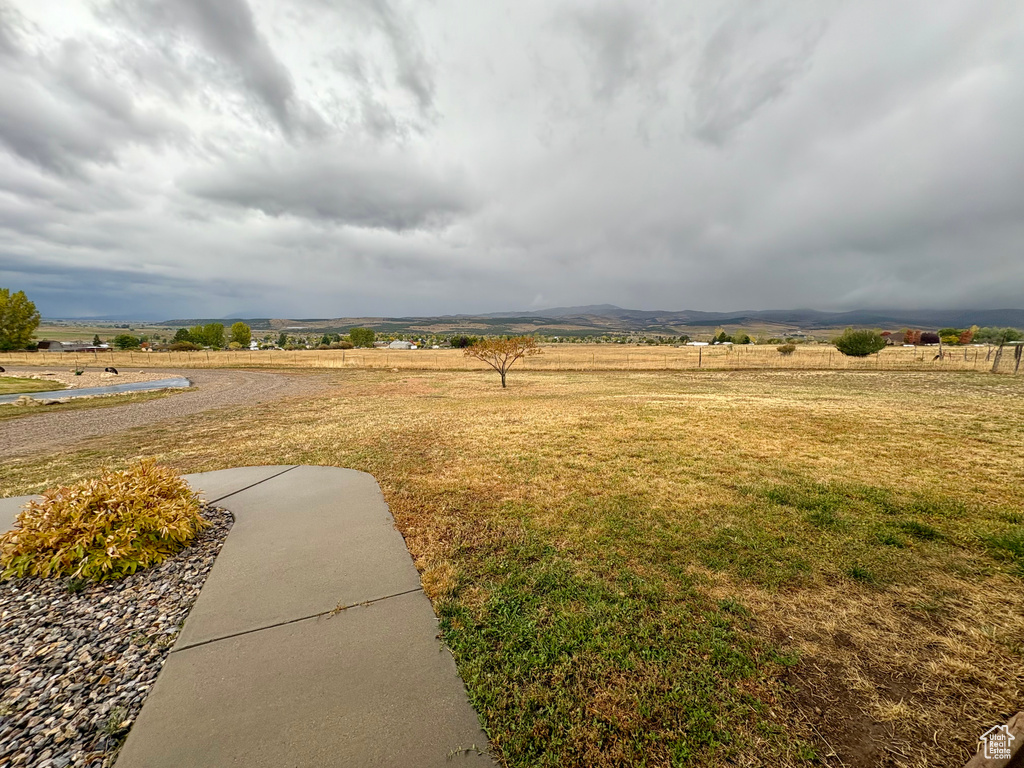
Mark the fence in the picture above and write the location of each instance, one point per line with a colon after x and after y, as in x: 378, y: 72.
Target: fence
x: 558, y: 357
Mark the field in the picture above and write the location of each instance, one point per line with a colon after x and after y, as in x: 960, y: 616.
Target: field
x: 679, y: 567
x: 554, y: 357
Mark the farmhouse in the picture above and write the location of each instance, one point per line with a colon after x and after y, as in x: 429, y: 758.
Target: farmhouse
x: 401, y: 345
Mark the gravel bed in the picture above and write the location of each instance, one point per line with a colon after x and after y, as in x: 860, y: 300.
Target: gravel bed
x: 76, y: 666
x: 88, y: 378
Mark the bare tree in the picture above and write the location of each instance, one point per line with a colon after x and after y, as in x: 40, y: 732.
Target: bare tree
x: 501, y: 354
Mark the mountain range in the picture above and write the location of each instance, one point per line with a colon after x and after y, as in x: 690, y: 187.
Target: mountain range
x: 596, y: 319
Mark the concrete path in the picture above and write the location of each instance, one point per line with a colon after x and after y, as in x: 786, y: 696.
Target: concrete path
x: 311, y: 643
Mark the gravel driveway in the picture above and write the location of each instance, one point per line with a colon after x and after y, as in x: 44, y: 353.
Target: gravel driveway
x: 215, y: 389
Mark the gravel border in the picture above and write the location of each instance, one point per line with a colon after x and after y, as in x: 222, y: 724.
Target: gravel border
x: 76, y: 666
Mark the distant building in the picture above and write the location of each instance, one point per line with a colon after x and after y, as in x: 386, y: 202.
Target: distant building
x: 401, y: 345
x: 47, y: 345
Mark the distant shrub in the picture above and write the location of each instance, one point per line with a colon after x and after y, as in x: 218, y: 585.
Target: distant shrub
x: 786, y: 349
x: 929, y: 338
x: 103, y: 528
x: 859, y: 343
x: 462, y: 341
x: 183, y: 346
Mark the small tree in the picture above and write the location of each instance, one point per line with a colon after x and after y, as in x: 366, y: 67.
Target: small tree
x: 501, y: 354
x: 182, y: 335
x: 362, y: 337
x: 126, y: 341
x: 18, y: 320
x: 96, y: 340
x: 859, y: 343
x: 241, y: 334
x: 786, y: 349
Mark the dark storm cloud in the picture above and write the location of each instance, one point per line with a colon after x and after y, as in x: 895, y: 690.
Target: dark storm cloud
x: 61, y: 110
x: 459, y: 156
x: 227, y: 31
x: 338, y: 184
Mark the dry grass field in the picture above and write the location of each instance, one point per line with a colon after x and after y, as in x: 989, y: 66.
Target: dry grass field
x: 680, y: 568
x: 554, y: 357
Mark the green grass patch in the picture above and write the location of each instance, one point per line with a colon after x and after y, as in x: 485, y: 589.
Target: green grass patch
x: 10, y: 385
x: 1008, y: 546
x: 671, y: 664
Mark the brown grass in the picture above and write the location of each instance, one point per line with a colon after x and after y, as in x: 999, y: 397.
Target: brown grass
x: 761, y: 513
x: 555, y: 357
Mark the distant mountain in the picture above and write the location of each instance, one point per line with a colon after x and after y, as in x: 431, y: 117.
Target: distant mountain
x: 599, y: 319
x: 805, y: 318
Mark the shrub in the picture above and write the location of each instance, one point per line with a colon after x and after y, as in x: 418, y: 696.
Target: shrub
x: 927, y: 337
x: 104, y: 528
x: 859, y: 343
x: 341, y: 345
x: 786, y: 349
x: 183, y: 346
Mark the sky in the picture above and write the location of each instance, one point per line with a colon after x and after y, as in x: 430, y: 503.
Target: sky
x: 328, y: 158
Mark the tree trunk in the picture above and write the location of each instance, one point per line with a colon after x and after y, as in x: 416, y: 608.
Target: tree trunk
x: 502, y: 379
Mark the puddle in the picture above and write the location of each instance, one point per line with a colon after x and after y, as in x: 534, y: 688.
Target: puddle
x: 137, y: 386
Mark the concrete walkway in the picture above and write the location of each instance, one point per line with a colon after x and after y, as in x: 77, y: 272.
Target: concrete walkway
x: 311, y: 643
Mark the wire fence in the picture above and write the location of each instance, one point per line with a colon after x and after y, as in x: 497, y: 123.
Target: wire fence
x: 562, y: 357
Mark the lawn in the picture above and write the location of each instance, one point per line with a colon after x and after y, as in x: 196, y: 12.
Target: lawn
x: 10, y: 385
x: 694, y: 568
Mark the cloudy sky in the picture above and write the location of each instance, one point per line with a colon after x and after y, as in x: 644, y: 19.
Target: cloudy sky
x: 389, y: 157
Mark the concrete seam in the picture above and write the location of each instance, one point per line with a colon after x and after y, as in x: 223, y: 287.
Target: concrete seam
x: 333, y: 611
x: 233, y: 493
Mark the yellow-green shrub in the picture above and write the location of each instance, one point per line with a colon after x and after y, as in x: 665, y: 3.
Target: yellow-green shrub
x: 104, y: 528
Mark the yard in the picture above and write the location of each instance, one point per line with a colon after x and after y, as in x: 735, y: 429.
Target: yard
x: 681, y: 567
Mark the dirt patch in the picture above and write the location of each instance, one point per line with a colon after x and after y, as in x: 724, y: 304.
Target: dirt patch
x: 847, y: 735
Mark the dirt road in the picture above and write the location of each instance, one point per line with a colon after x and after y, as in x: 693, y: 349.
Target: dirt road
x: 215, y: 389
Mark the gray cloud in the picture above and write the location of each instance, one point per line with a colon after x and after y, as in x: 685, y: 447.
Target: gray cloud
x: 339, y: 184
x: 227, y: 31
x: 443, y: 157
x: 621, y: 46
x: 60, y: 110
x: 745, y: 64
x: 413, y: 71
